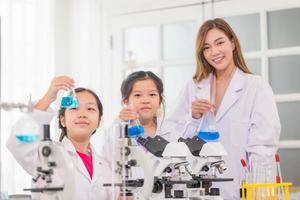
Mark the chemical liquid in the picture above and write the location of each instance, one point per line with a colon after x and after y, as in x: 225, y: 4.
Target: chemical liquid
x: 136, y: 131
x: 26, y: 129
x: 207, y: 129
x: 69, y: 102
x: 208, y: 136
x: 27, y: 138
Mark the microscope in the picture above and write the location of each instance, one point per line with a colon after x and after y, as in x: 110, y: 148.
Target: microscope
x: 207, y: 162
x: 53, y: 160
x: 54, y: 175
x: 172, y: 170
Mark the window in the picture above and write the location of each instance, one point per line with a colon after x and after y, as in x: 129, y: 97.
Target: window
x: 167, y: 50
x: 28, y: 51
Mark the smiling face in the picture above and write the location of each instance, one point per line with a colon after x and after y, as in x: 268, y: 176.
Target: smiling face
x: 218, y: 50
x: 81, y: 122
x: 145, y: 99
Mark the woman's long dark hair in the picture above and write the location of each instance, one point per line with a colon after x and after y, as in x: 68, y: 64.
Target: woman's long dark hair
x: 62, y: 111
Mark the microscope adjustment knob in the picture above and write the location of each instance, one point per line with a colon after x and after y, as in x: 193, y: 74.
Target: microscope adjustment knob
x: 39, y: 169
x: 46, y: 151
x: 168, y: 170
x: 51, y: 164
x: 36, y: 178
x: 205, y: 168
x: 157, y: 187
x: 127, y: 151
x: 132, y: 163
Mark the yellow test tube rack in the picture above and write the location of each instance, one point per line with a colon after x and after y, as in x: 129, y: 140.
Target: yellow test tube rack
x: 265, y: 191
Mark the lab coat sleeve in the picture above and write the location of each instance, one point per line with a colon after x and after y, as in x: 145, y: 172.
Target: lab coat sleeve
x: 43, y: 117
x: 263, y: 139
x: 181, y: 118
x: 26, y: 154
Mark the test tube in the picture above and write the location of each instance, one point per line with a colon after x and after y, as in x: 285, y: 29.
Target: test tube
x: 278, y: 176
x: 244, y: 164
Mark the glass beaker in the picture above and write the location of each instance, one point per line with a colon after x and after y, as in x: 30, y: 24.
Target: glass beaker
x: 26, y: 129
x: 207, y: 129
x: 69, y: 100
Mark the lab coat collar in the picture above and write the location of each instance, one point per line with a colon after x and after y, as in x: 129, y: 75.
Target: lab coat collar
x: 204, y: 83
x: 204, y: 87
x: 68, y: 145
x: 159, y: 122
x: 239, y: 76
x: 232, y: 94
x: 98, y: 166
x: 80, y: 165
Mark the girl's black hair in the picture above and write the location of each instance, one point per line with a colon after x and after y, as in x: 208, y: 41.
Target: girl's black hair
x: 62, y: 111
x: 127, y: 84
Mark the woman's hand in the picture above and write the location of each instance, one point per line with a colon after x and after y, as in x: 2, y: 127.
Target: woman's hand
x: 128, y: 113
x: 199, y: 107
x: 57, y: 83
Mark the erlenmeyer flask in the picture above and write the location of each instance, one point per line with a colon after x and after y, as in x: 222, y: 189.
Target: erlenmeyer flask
x: 207, y: 129
x: 69, y: 100
x: 135, y: 129
x: 26, y: 129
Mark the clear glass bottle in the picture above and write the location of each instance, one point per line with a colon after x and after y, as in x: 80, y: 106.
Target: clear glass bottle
x: 69, y: 99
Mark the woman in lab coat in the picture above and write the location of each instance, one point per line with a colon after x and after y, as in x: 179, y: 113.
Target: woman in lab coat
x: 243, y: 103
x: 77, y: 125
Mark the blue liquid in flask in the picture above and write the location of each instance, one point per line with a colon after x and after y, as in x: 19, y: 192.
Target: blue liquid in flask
x: 27, y: 138
x: 26, y: 129
x: 208, y: 136
x: 69, y: 102
x: 136, y: 131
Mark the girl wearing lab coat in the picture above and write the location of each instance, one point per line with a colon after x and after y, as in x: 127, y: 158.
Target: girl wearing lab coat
x: 143, y: 99
x: 142, y: 95
x: 243, y: 103
x: 77, y: 126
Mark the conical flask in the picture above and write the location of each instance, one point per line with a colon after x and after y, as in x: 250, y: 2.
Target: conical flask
x: 207, y: 129
x: 135, y: 129
x: 69, y: 99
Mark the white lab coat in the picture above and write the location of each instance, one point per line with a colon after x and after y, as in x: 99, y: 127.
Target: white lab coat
x: 247, y: 121
x: 85, y: 187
